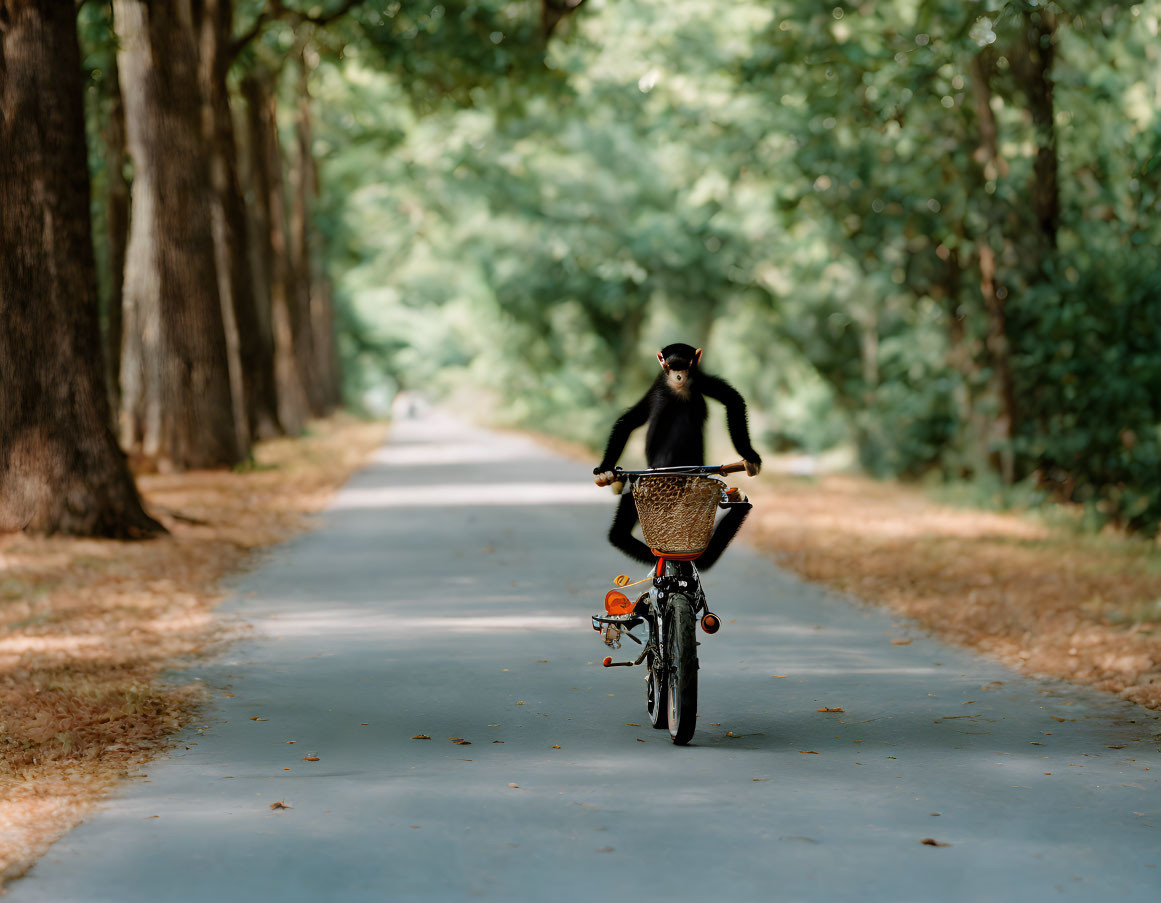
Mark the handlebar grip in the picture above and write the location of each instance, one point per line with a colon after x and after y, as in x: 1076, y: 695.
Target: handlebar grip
x: 738, y: 467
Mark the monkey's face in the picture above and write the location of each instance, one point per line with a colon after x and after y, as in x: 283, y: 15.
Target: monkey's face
x: 679, y: 370
x: 678, y: 381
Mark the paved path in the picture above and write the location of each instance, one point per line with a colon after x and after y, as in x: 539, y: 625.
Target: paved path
x: 446, y: 593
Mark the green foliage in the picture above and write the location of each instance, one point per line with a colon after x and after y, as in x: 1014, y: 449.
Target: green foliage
x: 1091, y: 384
x: 806, y: 191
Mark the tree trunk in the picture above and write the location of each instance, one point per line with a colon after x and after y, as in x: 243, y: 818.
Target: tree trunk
x: 116, y: 225
x: 328, y: 365
x: 270, y: 231
x: 252, y: 351
x: 994, y: 296
x: 60, y: 468
x: 307, y: 312
x: 1040, y: 34
x: 177, y: 409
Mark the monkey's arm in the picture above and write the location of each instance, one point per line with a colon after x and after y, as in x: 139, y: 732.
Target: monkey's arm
x: 720, y: 390
x: 636, y: 416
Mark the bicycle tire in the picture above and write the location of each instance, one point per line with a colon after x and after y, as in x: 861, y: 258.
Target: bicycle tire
x: 656, y: 698
x: 682, y: 677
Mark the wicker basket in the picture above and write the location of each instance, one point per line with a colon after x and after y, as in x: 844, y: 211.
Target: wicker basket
x: 677, y: 512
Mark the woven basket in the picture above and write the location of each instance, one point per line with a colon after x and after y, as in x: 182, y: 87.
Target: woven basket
x: 677, y: 512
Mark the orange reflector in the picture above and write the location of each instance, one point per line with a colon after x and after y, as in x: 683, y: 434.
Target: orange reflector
x: 622, y: 580
x: 710, y: 622
x: 617, y: 603
x: 607, y: 660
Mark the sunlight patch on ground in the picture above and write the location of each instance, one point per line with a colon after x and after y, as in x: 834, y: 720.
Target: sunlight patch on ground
x: 471, y: 495
x: 346, y: 621
x: 430, y: 453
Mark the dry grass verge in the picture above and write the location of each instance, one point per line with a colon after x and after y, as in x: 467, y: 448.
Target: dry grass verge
x: 90, y: 625
x: 1046, y: 599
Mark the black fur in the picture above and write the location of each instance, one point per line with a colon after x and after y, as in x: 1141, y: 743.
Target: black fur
x: 676, y: 436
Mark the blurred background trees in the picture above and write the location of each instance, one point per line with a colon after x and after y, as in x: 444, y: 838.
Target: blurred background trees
x: 921, y: 230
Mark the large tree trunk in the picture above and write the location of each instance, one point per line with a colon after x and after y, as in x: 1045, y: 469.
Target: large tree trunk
x: 994, y: 296
x: 270, y: 237
x: 300, y: 245
x: 116, y: 225
x: 252, y: 351
x: 177, y: 409
x: 60, y: 468
x: 314, y: 326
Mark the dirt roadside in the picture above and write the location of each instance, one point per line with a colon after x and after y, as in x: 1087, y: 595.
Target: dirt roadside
x: 89, y: 626
x: 1048, y: 600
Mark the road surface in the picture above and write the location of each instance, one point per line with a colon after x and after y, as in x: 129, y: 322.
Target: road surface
x: 446, y: 592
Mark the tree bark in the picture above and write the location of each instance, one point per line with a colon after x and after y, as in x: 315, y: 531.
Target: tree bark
x: 270, y: 239
x: 116, y: 225
x: 994, y: 296
x: 60, y: 468
x: 313, y: 327
x: 252, y: 351
x: 177, y: 409
x: 1040, y: 35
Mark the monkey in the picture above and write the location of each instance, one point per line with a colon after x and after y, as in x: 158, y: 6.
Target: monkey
x: 675, y: 410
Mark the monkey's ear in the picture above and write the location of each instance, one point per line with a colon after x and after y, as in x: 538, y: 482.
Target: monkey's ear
x: 661, y: 359
x: 697, y: 357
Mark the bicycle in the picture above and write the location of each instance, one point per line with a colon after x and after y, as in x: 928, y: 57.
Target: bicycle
x: 676, y: 507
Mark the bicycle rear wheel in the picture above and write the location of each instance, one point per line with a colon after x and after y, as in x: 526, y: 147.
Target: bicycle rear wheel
x: 682, y: 677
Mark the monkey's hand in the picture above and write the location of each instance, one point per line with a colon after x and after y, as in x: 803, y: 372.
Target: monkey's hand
x: 608, y: 478
x: 753, y: 468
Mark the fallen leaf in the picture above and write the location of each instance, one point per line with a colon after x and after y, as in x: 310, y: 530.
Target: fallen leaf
x: 497, y: 741
x: 780, y: 676
x: 631, y: 724
x: 364, y: 723
x: 932, y: 842
x: 892, y: 757
x: 463, y: 743
x: 605, y: 850
x: 310, y: 758
x: 421, y: 737
x: 639, y: 740
x: 835, y: 709
x: 556, y: 746
x: 256, y: 718
x: 904, y: 642
x: 970, y: 702
x: 729, y: 733
x: 513, y: 786
x: 413, y: 826
x: 291, y: 741
x: 151, y: 816
x: 280, y: 805
x: 521, y: 703
x: 1114, y: 747
x: 809, y: 752
x: 542, y: 661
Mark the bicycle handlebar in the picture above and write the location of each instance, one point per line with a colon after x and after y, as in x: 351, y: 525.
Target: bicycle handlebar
x: 695, y: 471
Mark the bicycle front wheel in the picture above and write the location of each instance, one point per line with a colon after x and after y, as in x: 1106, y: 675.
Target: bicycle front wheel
x: 682, y: 676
